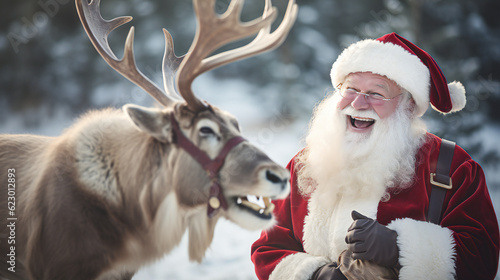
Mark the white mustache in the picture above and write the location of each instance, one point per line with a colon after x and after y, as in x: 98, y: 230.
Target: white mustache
x: 362, y: 114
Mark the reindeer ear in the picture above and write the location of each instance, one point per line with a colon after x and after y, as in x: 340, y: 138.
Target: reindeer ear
x: 155, y: 122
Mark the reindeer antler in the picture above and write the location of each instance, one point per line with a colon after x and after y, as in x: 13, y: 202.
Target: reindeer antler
x: 98, y: 30
x: 213, y: 32
x: 265, y: 41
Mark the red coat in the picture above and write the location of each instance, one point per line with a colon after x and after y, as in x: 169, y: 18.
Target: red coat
x: 469, y: 224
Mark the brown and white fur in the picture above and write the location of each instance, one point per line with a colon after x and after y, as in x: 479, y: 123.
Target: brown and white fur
x: 113, y: 193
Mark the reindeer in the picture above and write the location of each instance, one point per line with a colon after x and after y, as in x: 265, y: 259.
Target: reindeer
x: 119, y: 188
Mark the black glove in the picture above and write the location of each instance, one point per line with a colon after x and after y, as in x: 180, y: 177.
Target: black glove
x: 371, y: 241
x: 328, y: 272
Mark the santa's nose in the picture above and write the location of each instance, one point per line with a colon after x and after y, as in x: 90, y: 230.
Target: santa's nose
x: 360, y: 102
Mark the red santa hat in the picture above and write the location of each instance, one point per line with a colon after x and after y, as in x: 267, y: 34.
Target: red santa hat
x: 406, y: 64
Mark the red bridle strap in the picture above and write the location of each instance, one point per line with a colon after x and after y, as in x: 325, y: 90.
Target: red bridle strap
x: 212, y: 167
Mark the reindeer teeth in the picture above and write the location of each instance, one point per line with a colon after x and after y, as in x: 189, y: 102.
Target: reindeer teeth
x: 262, y: 206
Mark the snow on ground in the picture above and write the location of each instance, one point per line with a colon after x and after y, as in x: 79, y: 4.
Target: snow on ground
x: 228, y: 258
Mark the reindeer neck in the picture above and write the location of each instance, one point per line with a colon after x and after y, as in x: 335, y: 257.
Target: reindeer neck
x: 118, y: 162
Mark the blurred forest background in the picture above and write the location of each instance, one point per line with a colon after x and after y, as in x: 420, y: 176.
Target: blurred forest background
x: 49, y: 70
x: 48, y: 66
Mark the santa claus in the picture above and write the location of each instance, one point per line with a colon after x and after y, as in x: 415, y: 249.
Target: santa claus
x: 360, y: 189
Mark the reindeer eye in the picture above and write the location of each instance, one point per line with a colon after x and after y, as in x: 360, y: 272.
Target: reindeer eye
x: 206, y: 131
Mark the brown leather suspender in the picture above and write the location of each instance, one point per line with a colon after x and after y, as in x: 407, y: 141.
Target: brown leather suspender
x: 441, y: 181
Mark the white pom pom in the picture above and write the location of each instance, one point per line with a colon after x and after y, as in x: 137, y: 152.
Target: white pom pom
x: 457, y: 95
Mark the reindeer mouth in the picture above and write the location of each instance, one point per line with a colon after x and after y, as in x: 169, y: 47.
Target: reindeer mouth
x: 259, y: 206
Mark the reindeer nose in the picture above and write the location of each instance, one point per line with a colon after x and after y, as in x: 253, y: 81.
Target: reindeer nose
x: 275, y: 179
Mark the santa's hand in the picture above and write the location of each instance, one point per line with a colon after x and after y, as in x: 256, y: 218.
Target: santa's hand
x: 328, y: 272
x: 371, y: 241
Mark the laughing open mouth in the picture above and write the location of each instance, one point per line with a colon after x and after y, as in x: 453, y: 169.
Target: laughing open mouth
x: 261, y: 207
x: 358, y: 122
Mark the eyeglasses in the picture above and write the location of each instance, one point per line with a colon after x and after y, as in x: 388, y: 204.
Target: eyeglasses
x: 372, y: 97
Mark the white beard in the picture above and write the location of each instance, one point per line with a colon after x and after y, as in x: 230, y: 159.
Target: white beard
x: 343, y: 171
x: 338, y: 163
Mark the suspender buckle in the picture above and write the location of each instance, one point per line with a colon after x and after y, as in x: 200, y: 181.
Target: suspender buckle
x: 438, y: 184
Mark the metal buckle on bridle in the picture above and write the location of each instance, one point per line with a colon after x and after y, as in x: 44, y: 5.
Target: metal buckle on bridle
x: 216, y: 198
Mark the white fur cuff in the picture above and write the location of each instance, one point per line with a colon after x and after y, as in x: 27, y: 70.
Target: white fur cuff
x: 299, y: 266
x: 426, y: 250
